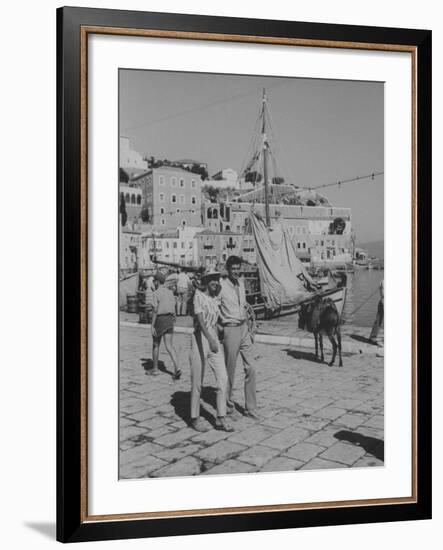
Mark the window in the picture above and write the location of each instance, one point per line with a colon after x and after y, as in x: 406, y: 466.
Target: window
x: 182, y: 199
x: 212, y: 213
x: 139, y: 199
x: 183, y: 223
x: 167, y: 244
x: 161, y: 197
x: 173, y: 198
x: 193, y: 200
x: 182, y: 183
x: 161, y: 180
x: 127, y: 198
x: 304, y: 245
x: 193, y: 184
x: 173, y: 181
x: 163, y: 221
x: 174, y: 244
x: 162, y: 210
x: 132, y: 199
x: 298, y: 245
x: 183, y: 244
x: 178, y: 210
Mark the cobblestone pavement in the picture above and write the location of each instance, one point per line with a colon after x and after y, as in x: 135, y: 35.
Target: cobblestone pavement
x: 312, y: 416
x: 284, y: 326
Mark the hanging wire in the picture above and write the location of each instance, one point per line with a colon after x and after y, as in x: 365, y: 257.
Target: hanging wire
x: 340, y: 182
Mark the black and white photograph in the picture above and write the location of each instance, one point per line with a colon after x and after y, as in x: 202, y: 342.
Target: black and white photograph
x: 251, y: 274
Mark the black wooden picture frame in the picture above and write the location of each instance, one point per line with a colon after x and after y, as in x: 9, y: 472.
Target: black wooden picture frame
x: 73, y: 26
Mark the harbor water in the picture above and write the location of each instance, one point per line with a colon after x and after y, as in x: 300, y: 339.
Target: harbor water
x: 360, y: 306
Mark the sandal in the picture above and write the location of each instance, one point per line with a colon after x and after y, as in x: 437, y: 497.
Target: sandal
x: 177, y: 374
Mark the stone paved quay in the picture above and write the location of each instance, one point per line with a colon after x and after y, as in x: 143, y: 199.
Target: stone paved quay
x: 353, y: 337
x: 312, y: 416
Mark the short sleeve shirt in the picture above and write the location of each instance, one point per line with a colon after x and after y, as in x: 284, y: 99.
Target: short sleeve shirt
x: 182, y: 280
x: 208, y: 306
x: 163, y: 301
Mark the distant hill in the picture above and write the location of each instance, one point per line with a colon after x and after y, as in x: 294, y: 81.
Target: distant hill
x: 375, y: 248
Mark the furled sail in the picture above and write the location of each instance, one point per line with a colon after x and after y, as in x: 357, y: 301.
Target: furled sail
x: 284, y: 280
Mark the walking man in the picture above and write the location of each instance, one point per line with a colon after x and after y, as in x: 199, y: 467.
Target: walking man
x: 237, y: 339
x: 206, y: 350
x: 163, y: 321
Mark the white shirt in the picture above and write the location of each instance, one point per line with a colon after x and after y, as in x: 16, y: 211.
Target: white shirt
x: 208, y: 307
x: 232, y: 301
x: 182, y: 280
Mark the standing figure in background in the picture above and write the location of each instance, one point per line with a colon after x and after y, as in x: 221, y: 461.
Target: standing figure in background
x: 379, y: 318
x: 236, y: 336
x: 182, y: 292
x: 206, y: 350
x: 149, y: 296
x: 163, y: 321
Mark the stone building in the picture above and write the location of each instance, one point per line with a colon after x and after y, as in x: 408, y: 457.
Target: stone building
x: 172, y: 196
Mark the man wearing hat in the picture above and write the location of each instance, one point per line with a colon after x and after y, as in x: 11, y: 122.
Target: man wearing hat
x: 163, y: 320
x: 207, y: 350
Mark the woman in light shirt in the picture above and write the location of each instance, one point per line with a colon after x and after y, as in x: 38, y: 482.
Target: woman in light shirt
x: 207, y: 350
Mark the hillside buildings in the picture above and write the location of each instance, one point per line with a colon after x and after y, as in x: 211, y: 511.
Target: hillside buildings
x: 171, y: 195
x: 183, y: 225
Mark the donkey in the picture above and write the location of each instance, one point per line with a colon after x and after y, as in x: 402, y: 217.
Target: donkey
x: 321, y: 317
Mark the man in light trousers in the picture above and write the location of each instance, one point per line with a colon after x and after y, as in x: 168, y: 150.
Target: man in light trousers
x: 237, y: 339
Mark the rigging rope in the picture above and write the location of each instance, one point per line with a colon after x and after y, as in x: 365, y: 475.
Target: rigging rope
x: 365, y: 302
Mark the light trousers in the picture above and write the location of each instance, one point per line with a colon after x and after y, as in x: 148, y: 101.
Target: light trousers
x: 237, y: 341
x: 182, y: 301
x: 202, y: 356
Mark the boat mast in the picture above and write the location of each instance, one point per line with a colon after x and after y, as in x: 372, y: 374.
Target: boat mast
x: 265, y: 158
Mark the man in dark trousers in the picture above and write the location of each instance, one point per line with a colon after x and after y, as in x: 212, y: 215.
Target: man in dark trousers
x: 237, y: 339
x: 379, y: 318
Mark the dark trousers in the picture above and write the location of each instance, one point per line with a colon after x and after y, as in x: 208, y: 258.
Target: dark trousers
x: 379, y: 318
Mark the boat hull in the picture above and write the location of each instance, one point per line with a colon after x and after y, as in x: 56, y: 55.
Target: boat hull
x: 337, y: 295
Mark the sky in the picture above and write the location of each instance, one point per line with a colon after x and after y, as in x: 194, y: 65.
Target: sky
x: 323, y: 131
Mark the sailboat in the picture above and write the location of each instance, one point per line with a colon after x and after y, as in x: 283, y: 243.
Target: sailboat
x: 280, y: 283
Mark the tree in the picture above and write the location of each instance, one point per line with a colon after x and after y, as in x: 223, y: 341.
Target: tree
x: 253, y: 177
x: 123, y: 214
x: 196, y: 169
x: 212, y: 192
x: 277, y: 180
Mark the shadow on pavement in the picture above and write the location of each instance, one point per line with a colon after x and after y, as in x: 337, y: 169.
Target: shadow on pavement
x: 363, y: 339
x: 297, y: 354
x: 148, y: 364
x: 371, y: 445
x: 209, y: 395
x: 181, y: 401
